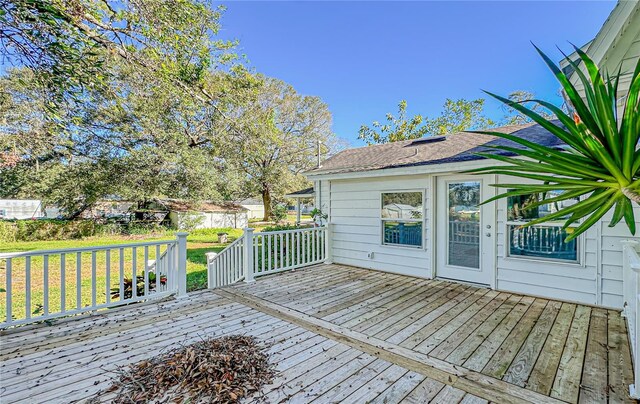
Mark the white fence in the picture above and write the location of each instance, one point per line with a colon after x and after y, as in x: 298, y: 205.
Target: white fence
x: 45, y: 284
x: 631, y: 291
x: 227, y: 266
x: 264, y: 253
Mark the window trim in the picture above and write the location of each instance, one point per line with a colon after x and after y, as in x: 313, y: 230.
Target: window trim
x: 422, y: 245
x: 580, y: 251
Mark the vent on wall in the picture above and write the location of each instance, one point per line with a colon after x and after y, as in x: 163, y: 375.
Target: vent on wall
x: 430, y: 139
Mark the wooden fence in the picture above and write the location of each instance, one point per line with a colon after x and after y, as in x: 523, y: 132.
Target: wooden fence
x: 45, y: 284
x: 264, y: 253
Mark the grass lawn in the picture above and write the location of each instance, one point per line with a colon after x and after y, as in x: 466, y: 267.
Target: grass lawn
x: 198, y: 243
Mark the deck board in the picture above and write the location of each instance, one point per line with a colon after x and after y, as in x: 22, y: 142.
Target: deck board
x: 344, y: 334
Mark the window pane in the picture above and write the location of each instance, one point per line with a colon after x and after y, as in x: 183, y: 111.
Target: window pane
x: 517, y: 206
x: 464, y: 224
x: 408, y: 233
x: 402, y: 205
x: 541, y: 241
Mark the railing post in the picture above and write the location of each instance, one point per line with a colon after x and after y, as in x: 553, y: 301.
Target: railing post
x: 247, y: 255
x: 631, y: 290
x: 181, y: 264
x: 628, y: 276
x: 328, y: 242
x: 211, y: 270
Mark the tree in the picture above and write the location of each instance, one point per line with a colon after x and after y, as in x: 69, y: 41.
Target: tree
x: 278, y: 137
x: 132, y: 139
x: 68, y: 43
x: 396, y: 129
x: 600, y: 164
x: 513, y: 117
x: 457, y: 116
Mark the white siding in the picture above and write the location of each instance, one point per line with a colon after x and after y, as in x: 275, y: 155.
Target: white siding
x: 353, y: 206
x: 354, y: 210
x: 611, y: 259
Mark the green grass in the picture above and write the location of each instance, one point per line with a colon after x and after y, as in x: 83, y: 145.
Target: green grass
x: 199, y: 242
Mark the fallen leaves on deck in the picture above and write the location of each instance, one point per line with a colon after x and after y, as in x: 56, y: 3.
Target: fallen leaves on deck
x: 216, y: 370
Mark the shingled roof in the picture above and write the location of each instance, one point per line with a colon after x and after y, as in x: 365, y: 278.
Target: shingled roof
x: 457, y: 147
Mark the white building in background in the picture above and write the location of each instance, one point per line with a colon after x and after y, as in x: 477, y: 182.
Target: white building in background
x: 254, y: 207
x: 20, y: 209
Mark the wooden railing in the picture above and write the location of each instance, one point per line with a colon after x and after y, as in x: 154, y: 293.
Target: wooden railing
x: 45, y: 284
x: 464, y: 232
x: 226, y: 267
x: 631, y: 294
x: 264, y: 253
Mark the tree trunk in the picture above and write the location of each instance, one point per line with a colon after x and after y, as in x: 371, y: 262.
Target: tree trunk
x: 631, y: 194
x: 266, y: 200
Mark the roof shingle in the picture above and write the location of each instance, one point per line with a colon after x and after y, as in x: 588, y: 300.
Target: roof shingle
x: 456, y: 147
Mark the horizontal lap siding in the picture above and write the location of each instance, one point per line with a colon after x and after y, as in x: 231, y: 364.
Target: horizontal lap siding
x: 611, y: 259
x: 355, y: 214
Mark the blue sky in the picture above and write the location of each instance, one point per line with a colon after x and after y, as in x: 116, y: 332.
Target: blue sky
x: 362, y: 58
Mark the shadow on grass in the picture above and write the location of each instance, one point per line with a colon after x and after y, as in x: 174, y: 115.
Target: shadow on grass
x: 197, y: 266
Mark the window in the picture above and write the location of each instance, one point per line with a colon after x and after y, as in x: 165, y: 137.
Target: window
x: 401, y: 214
x: 544, y: 241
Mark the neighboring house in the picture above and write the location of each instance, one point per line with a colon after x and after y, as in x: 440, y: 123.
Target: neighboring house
x: 255, y: 208
x: 458, y: 238
x: 20, y: 209
x: 206, y: 215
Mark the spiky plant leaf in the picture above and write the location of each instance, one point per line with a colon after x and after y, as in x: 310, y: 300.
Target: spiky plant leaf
x: 601, y: 162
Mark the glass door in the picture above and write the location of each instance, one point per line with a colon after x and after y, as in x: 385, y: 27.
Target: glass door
x: 464, y: 229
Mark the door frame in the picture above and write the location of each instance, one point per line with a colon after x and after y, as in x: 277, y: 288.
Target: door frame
x: 488, y: 250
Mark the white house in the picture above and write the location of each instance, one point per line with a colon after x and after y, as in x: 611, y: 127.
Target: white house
x: 20, y: 208
x: 206, y: 215
x: 457, y: 238
x: 255, y: 208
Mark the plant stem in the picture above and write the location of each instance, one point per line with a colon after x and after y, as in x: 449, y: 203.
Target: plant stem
x: 631, y: 194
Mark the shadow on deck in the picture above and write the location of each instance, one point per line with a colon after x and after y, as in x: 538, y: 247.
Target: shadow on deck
x: 344, y: 334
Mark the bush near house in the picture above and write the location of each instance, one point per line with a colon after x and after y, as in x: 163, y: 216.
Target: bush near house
x: 52, y: 229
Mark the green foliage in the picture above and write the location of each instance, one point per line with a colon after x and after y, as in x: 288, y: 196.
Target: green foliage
x: 395, y: 129
x: 274, y: 139
x: 189, y: 221
x: 279, y: 213
x: 318, y: 216
x: 600, y: 164
x: 513, y: 117
x: 36, y: 230
x: 282, y: 227
x: 457, y: 116
x: 71, y: 44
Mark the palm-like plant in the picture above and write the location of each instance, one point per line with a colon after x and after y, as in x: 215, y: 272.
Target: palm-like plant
x: 601, y: 163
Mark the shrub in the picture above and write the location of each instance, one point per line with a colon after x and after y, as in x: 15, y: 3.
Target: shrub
x: 37, y: 230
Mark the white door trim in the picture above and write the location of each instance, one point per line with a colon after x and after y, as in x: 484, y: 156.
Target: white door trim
x: 488, y: 246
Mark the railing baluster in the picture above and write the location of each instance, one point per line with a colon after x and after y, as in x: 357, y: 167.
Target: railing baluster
x: 262, y: 256
x: 27, y: 285
x: 63, y: 283
x: 94, y: 286
x: 155, y: 269
x: 121, y: 273
x: 9, y: 289
x: 45, y: 281
x: 312, y: 237
x: 146, y: 270
x: 107, y: 263
x: 78, y: 281
x: 134, y: 273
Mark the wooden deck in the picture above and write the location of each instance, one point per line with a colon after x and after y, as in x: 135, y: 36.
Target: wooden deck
x: 343, y: 334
